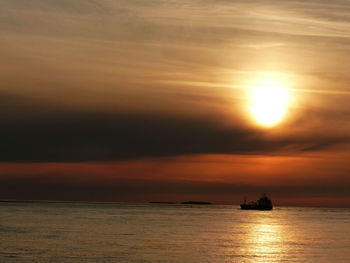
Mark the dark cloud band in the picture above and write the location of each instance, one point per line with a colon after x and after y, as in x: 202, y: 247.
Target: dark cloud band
x: 38, y: 133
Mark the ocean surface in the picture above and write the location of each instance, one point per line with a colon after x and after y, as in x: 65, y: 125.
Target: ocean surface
x: 80, y: 232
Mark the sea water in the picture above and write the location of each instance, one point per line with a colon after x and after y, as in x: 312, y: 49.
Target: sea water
x: 81, y: 232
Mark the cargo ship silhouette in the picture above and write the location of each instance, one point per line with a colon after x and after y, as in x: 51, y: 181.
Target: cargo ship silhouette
x: 264, y: 203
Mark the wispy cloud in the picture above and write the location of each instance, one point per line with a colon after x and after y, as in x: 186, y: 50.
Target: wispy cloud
x: 182, y: 60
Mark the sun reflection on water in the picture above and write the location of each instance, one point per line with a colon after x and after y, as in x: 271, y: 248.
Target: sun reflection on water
x: 264, y: 239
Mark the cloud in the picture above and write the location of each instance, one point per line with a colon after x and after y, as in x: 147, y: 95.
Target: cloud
x: 36, y: 132
x: 106, y: 80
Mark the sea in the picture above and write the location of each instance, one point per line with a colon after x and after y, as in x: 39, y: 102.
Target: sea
x: 127, y: 232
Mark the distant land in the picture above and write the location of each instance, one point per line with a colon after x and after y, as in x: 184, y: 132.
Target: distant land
x: 196, y: 203
x: 161, y: 202
x: 183, y: 203
x: 96, y: 202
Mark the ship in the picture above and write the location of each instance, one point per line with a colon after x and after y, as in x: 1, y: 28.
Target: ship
x: 264, y: 203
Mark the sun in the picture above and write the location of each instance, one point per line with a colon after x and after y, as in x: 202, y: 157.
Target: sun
x: 269, y: 101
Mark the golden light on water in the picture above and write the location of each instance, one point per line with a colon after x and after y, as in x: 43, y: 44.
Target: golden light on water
x: 265, y: 239
x: 269, y: 101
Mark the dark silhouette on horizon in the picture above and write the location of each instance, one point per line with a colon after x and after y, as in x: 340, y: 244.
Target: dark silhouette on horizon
x: 196, y: 203
x: 264, y: 203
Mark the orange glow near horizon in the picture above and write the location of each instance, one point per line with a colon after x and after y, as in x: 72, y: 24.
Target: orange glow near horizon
x: 227, y: 178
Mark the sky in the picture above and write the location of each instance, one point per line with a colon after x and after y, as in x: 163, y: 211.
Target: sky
x: 208, y: 100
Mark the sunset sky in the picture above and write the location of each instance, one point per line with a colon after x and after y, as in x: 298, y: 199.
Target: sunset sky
x: 210, y: 100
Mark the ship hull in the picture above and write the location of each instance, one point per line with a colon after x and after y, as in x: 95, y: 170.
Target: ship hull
x: 255, y: 207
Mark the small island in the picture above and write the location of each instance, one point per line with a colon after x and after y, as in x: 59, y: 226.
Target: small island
x: 162, y: 202
x: 196, y: 203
